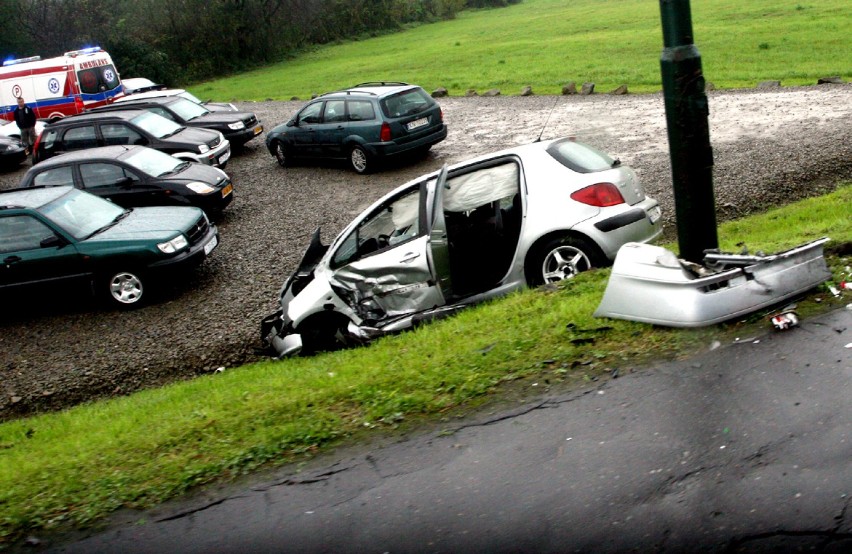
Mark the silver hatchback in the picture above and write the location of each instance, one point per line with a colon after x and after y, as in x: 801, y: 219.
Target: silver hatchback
x: 525, y: 216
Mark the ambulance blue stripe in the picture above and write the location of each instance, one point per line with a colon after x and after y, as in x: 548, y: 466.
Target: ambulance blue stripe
x: 69, y: 100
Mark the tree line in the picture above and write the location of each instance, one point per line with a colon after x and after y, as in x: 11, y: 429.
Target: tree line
x: 182, y: 41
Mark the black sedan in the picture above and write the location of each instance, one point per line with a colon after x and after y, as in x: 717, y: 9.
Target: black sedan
x: 237, y: 127
x: 12, y: 152
x: 134, y: 176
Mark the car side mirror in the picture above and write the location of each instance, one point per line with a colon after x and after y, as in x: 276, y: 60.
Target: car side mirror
x: 292, y: 123
x: 51, y: 241
x: 124, y: 182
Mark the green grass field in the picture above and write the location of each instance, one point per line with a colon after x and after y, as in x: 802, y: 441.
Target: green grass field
x: 76, y: 466
x: 548, y: 43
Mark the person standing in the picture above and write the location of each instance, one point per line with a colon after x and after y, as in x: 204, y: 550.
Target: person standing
x: 26, y: 119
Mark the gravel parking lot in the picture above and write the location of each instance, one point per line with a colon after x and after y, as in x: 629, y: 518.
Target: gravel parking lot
x: 770, y: 147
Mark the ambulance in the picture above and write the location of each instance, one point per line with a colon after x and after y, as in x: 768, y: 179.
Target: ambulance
x: 56, y: 87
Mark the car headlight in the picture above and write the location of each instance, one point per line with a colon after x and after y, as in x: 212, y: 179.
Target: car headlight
x: 174, y: 245
x: 200, y: 188
x: 203, y: 148
x: 237, y: 126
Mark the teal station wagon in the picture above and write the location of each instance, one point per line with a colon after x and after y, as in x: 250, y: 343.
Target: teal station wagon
x: 361, y: 124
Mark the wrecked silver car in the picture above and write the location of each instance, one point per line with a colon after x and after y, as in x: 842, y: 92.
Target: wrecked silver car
x: 529, y: 215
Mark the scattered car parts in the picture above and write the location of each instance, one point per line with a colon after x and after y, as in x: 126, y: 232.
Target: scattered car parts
x: 650, y: 284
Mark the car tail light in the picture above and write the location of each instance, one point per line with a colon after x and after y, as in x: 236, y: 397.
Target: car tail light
x: 36, y: 143
x: 386, y: 132
x: 78, y: 104
x: 599, y: 194
x: 441, y: 113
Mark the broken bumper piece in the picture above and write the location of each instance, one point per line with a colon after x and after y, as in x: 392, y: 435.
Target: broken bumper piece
x: 289, y: 345
x: 650, y: 284
x: 275, y: 340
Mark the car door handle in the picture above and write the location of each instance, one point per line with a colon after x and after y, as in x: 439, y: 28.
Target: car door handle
x: 409, y: 257
x: 9, y: 260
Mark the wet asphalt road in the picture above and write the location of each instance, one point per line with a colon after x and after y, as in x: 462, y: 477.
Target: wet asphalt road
x: 745, y: 448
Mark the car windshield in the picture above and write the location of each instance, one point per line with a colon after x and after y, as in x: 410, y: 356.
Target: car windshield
x: 580, y: 157
x: 157, y: 125
x: 155, y: 163
x: 187, y: 109
x: 82, y: 214
x: 191, y: 97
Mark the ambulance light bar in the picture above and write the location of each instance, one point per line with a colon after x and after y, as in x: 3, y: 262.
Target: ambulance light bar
x: 22, y: 60
x: 90, y: 50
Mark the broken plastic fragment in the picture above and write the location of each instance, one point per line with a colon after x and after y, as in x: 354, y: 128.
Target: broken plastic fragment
x: 785, y: 320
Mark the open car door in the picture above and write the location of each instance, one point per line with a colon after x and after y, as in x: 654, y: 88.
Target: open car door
x: 395, y: 262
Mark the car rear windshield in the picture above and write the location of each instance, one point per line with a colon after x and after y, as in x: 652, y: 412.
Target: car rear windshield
x: 98, y: 79
x: 407, y: 102
x: 580, y: 157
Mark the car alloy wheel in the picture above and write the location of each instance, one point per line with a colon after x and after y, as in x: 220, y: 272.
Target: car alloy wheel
x: 280, y: 153
x: 358, y: 159
x: 561, y: 258
x: 125, y: 288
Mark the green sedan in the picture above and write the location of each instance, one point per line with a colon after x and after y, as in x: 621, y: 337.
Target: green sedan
x: 53, y: 236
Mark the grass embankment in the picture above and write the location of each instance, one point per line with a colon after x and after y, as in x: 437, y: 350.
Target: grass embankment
x: 549, y: 43
x: 79, y: 465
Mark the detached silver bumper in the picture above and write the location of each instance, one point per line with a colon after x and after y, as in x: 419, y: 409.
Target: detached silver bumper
x: 651, y: 285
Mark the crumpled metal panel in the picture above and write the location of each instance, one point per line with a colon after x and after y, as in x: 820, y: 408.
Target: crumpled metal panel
x: 388, y: 295
x: 649, y: 284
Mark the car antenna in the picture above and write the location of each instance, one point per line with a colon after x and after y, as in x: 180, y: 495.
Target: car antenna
x: 546, y: 121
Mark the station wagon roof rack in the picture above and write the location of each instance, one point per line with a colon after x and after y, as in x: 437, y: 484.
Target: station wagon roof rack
x: 380, y: 84
x: 367, y: 84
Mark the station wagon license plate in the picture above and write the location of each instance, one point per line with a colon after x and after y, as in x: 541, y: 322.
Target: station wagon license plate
x: 224, y: 157
x: 654, y: 214
x: 417, y: 123
x: 227, y: 190
x: 210, y: 245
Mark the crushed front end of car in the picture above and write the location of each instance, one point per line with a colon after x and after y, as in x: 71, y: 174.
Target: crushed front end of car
x: 278, y: 336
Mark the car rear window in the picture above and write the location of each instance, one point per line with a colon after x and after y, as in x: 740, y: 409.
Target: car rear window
x: 98, y: 79
x: 407, y: 102
x: 361, y: 110
x: 580, y: 157
x: 55, y: 177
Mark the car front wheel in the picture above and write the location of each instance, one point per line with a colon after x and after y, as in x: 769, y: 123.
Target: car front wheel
x: 280, y: 153
x: 359, y: 160
x: 124, y: 288
x: 559, y: 259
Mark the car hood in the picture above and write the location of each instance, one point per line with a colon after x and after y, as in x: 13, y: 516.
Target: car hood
x: 199, y: 172
x: 161, y: 222
x: 193, y: 135
x: 219, y: 107
x: 223, y: 118
x: 8, y: 141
